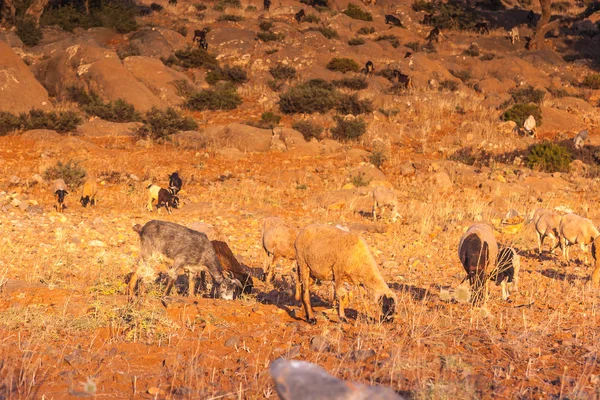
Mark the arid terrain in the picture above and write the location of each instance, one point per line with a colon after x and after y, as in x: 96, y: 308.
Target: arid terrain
x: 445, y: 146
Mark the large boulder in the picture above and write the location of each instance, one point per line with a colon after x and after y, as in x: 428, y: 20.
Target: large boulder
x: 98, y: 127
x: 156, y: 42
x: 246, y: 138
x: 19, y: 90
x: 233, y: 44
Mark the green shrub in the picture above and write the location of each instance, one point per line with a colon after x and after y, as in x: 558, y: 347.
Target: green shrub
x: 359, y: 180
x: 224, y: 4
x: 92, y: 104
x: 351, y: 104
x: 329, y: 33
x: 230, y: 18
x: 71, y: 173
x: 268, y: 120
x: 548, y: 157
x: 283, y: 72
x: 356, y: 41
x: 271, y: 51
x: 591, y: 81
x: 353, y: 83
x: 113, y: 14
x: 455, y: 15
x: 270, y: 36
x: 223, y: 97
x: 182, y: 30
x: 387, y: 73
x: 378, y: 158
x: 28, y: 32
x: 308, y: 130
x: 422, y: 5
x: 62, y: 122
x: 309, y: 97
x: 183, y: 87
x: 160, y: 124
x: 119, y: 16
x: 487, y: 57
x: 527, y: 94
x: 355, y: 12
x: 348, y: 129
x: 235, y: 75
x: 463, y: 74
x: 251, y: 8
x: 200, y: 6
x: 449, y: 85
x: 275, y: 84
x: 194, y: 58
x: 265, y: 26
x: 393, y: 39
x: 312, y: 19
x: 519, y: 113
x: 365, y: 30
x: 343, y: 65
x: 10, y: 122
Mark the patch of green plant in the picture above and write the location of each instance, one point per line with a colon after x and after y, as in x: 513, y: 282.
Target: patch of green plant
x: 343, y: 65
x: 463, y: 74
x: 28, y: 31
x: 114, y: 111
x: 268, y: 120
x: 591, y: 81
x: 61, y: 122
x: 355, y: 12
x: 351, y: 104
x: 359, y: 180
x: 265, y: 26
x: 230, y: 18
x: 116, y: 15
x: 487, y: 57
x: 270, y: 36
x: 348, y: 129
x: 310, y: 97
x: 448, y: 85
x: 378, y: 158
x: 312, y: 19
x: 455, y: 15
x: 365, y: 30
x: 548, y: 157
x: 353, y: 83
x: 275, y: 84
x: 251, y: 8
x: 71, y: 172
x: 160, y: 124
x: 519, y: 113
x: 10, y: 122
x: 329, y: 33
x: 527, y: 94
x: 356, y: 41
x: 194, y: 58
x: 393, y: 39
x: 222, y: 97
x: 222, y: 5
x: 389, y: 112
x: 283, y: 72
x: 235, y: 75
x: 183, y: 87
x: 423, y: 5
x: 308, y: 129
x: 271, y: 51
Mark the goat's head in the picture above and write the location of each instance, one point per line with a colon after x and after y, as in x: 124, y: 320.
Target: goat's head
x: 230, y: 289
x: 60, y: 195
x: 84, y: 200
x: 174, y: 201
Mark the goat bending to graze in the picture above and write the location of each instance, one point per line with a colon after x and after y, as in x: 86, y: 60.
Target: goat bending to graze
x: 329, y: 253
x: 59, y: 189
x: 403, y: 80
x: 434, y: 35
x: 191, y: 251
x: 163, y: 198
x: 278, y: 239
x: 300, y: 16
x: 368, y: 69
x: 477, y: 252
x: 547, y: 224
x: 574, y: 229
x: 392, y: 20
x: 482, y: 28
x: 89, y: 192
x: 174, y: 183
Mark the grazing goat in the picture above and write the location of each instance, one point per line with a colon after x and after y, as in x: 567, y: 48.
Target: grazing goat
x: 434, y: 35
x: 427, y: 19
x: 174, y: 183
x: 232, y: 265
x: 191, y: 252
x: 163, y: 198
x: 482, y: 28
x: 300, y: 16
x: 382, y: 198
x: 368, y: 69
x: 514, y: 35
x: 173, y: 2
x: 200, y: 38
x: 278, y: 239
x: 89, y: 192
x: 59, y: 189
x: 580, y: 139
x: 403, y: 80
x: 408, y: 54
x: 392, y: 20
x: 531, y: 19
x: 547, y: 224
x: 329, y: 253
x: 574, y: 229
x: 478, y: 251
x: 267, y: 4
x: 507, y: 269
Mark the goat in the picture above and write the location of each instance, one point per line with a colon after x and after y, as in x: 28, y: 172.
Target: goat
x: 300, y: 16
x: 482, y: 28
x: 191, y: 252
x: 59, y: 189
x: 174, y: 183
x: 514, y: 35
x: 278, y: 239
x: 508, y: 264
x: 328, y: 253
x: 427, y: 19
x: 434, y: 35
x: 266, y: 4
x: 580, y: 139
x: 408, y: 54
x: 163, y: 198
x: 478, y: 252
x: 392, y: 20
x: 200, y: 38
x: 403, y: 80
x: 368, y: 69
x: 173, y: 2
x: 574, y: 229
x: 382, y: 198
x: 88, y: 193
x: 547, y: 224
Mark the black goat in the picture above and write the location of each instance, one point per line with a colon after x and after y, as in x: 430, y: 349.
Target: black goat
x: 368, y: 69
x: 167, y: 200
x: 403, y: 80
x: 174, y: 183
x: 173, y: 2
x: 392, y: 20
x: 267, y: 4
x: 427, y: 19
x: 199, y: 35
x: 482, y: 27
x: 531, y: 19
x: 300, y: 16
x: 408, y: 54
x: 435, y: 35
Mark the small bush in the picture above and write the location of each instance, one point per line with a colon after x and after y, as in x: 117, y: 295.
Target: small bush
x: 268, y: 120
x: 10, y: 122
x: 351, y: 104
x: 275, y: 84
x: 283, y: 72
x: 200, y: 6
x: 356, y: 41
x: 309, y: 97
x: 222, y: 5
x: 308, y: 130
x: 355, y: 12
x: 223, y: 97
x: 194, y: 58
x: 182, y: 30
x: 312, y: 19
x: 378, y: 158
x: 271, y: 51
x: 327, y: 32
x: 472, y: 51
x: 422, y: 5
x: 251, y: 8
x: 527, y: 94
x: 463, y: 74
x: 455, y: 15
x: 92, y: 104
x: 354, y: 83
x: 62, y: 122
x: 343, y: 65
x: 487, y: 57
x: 270, y: 36
x: 71, y: 173
x: 157, y: 7
x: 235, y: 75
x: 591, y: 81
x: 359, y: 180
x: 519, y: 113
x: 449, y: 85
x: 230, y: 18
x: 414, y: 46
x: 265, y: 26
x: 28, y: 32
x: 183, y: 87
x: 348, y: 129
x: 160, y: 124
x: 548, y: 157
x: 365, y: 30
x: 560, y: 6
x: 117, y: 15
x: 393, y: 39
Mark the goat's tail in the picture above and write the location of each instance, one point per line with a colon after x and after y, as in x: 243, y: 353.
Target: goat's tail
x: 138, y: 228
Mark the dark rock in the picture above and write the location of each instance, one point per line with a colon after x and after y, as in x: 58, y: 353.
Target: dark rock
x: 362, y: 355
x: 320, y: 343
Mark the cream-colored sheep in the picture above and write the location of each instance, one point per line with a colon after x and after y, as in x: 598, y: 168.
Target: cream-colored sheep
x: 514, y: 35
x: 89, y: 192
x: 152, y: 195
x: 331, y: 254
x: 547, y: 224
x: 576, y: 230
x: 385, y: 198
x: 278, y: 239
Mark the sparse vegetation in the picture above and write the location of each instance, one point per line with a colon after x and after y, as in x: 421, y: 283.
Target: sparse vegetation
x: 92, y: 104
x: 329, y: 33
x: 29, y: 33
x: 10, y: 122
x: 463, y: 74
x: 454, y: 15
x: 283, y: 72
x: 223, y: 97
x: 235, y: 75
x: 118, y: 15
x: 548, y: 157
x: 560, y: 6
x: 356, y: 41
x: 265, y: 26
x: 355, y: 12
x: 343, y: 65
x: 200, y: 6
x: 472, y: 51
x: 193, y: 58
x: 448, y: 85
x: 308, y: 129
x: 230, y: 18
x: 309, y: 97
x: 527, y: 94
x: 222, y: 5
x: 348, y: 129
x: 365, y: 30
x: 351, y: 104
x: 270, y: 36
x: 393, y: 39
x: 312, y: 19
x: 71, y: 172
x: 268, y: 120
x: 423, y: 5
x: 591, y: 81
x: 353, y: 83
x: 161, y: 124
x: 519, y: 113
x: 414, y: 46
x: 378, y: 158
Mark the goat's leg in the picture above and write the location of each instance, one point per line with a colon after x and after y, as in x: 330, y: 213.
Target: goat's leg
x: 304, y: 279
x: 270, y: 267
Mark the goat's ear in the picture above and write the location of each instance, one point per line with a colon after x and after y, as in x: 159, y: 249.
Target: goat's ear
x: 237, y: 283
x: 65, y: 192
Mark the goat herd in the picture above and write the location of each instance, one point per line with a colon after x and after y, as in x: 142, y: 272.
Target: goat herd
x: 329, y: 253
